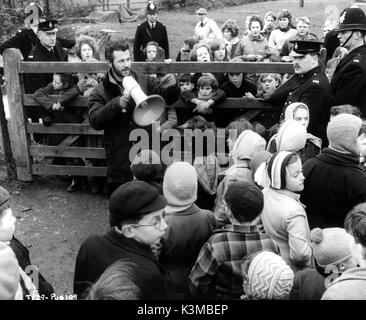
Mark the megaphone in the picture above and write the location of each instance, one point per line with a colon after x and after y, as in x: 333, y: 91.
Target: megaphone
x: 148, y: 108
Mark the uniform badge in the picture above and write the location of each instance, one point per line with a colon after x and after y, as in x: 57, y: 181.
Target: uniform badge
x: 343, y: 16
x: 50, y: 24
x: 151, y: 6
x: 356, y: 60
x: 316, y: 81
x: 296, y: 46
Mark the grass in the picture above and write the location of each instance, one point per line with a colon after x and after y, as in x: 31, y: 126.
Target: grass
x: 180, y: 22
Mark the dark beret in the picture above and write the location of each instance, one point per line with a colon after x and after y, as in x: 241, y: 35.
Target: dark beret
x: 134, y: 199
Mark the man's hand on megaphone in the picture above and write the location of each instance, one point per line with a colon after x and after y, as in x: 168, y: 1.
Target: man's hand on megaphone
x: 124, y: 102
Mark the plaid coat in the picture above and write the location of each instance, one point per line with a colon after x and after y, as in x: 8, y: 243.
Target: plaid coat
x: 217, y: 271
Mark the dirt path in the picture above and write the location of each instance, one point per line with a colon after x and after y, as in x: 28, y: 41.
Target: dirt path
x: 53, y: 223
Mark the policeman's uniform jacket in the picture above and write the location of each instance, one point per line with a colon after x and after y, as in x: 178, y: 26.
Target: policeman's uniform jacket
x: 145, y: 34
x: 311, y: 88
x: 25, y: 40
x: 348, y: 85
x: 41, y: 53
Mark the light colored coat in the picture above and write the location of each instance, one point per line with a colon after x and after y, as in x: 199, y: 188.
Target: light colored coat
x: 284, y: 220
x: 209, y: 30
x: 278, y: 38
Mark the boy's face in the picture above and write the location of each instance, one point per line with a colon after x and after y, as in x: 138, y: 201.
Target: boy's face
x: 186, y: 86
x: 150, y: 229
x: 7, y: 225
x: 269, y: 84
x: 57, y: 83
x: 302, y: 28
x: 236, y: 79
x: 205, y: 92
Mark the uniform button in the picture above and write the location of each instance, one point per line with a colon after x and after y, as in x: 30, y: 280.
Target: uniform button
x: 290, y: 94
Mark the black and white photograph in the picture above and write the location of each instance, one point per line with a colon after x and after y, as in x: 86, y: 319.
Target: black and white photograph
x: 188, y: 157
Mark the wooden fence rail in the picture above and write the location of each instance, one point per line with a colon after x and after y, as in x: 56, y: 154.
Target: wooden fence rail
x: 25, y: 153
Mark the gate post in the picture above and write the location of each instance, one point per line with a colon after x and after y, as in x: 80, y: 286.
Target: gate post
x: 18, y: 124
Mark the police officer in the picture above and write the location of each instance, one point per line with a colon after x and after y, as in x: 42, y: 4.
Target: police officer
x: 26, y: 39
x: 150, y: 30
x: 47, y: 48
x: 348, y: 85
x: 309, y: 85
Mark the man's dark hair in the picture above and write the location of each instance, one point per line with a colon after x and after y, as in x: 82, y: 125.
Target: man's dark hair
x: 355, y: 223
x: 245, y: 200
x: 185, y: 77
x: 117, y: 45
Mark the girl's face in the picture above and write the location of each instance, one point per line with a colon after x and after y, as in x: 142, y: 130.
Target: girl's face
x: 227, y: 34
x: 205, y: 92
x: 151, y: 53
x: 361, y: 141
x: 269, y: 84
x: 302, y: 115
x: 302, y: 28
x: 283, y: 23
x: 86, y: 52
x: 294, y: 177
x: 57, y: 83
x: 255, y: 28
x: 203, y: 55
x: 219, y: 54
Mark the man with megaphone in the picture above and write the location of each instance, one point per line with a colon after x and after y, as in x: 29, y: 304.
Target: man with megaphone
x: 119, y: 103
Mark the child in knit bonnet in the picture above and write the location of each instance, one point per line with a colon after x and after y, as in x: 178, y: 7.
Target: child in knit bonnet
x: 266, y: 276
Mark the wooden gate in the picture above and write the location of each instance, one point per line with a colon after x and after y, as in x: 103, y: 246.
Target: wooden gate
x: 25, y: 152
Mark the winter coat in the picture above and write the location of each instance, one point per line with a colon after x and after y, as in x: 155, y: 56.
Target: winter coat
x: 284, y: 220
x: 145, y: 34
x: 98, y: 252
x: 348, y: 84
x: 207, y: 29
x: 351, y: 285
x: 187, y: 231
x: 105, y: 114
x: 334, y: 184
x: 250, y: 45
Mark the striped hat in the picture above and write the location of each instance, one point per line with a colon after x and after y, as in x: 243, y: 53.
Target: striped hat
x: 268, y: 278
x: 276, y: 168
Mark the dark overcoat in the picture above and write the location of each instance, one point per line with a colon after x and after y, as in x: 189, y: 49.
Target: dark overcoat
x: 348, y: 85
x: 145, y: 34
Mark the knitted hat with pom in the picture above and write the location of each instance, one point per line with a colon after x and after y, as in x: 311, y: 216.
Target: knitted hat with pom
x: 9, y: 273
x: 342, y: 133
x: 180, y: 186
x: 330, y: 246
x: 268, y: 277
